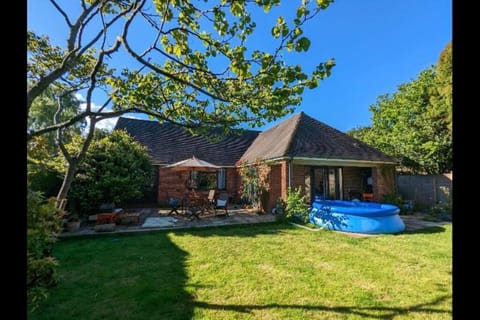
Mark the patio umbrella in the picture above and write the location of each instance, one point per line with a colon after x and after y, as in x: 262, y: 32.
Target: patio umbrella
x: 192, y: 164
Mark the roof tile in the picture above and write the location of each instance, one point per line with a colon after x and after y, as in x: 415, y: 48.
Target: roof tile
x: 168, y: 143
x: 304, y: 136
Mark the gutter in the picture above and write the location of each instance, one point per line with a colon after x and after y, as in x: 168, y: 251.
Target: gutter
x: 289, y: 173
x: 345, y: 162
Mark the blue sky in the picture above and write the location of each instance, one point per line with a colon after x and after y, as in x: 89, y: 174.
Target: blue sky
x: 377, y: 45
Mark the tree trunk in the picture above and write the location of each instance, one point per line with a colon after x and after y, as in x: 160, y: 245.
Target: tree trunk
x: 67, y: 182
x: 73, y: 163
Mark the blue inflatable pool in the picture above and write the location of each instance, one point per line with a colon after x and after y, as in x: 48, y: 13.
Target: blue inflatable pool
x: 356, y: 216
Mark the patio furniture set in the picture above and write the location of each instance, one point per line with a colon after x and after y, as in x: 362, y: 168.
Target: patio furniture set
x: 194, y: 205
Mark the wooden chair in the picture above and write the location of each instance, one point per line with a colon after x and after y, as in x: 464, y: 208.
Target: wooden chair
x: 210, y: 205
x: 211, y: 196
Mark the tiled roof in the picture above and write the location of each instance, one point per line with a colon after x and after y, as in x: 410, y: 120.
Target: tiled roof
x: 168, y: 143
x: 306, y: 137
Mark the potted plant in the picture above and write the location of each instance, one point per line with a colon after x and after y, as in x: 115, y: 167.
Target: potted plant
x: 73, y: 222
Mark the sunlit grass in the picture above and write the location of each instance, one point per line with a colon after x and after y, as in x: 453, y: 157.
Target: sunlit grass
x: 270, y: 271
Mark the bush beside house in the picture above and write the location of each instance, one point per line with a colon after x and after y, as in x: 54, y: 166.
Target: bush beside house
x: 114, y: 170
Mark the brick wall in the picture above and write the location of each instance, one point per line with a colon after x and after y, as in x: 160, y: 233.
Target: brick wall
x: 284, y: 179
x: 275, y: 186
x: 234, y: 184
x: 172, y: 184
x: 352, y: 181
x: 298, y: 177
x: 383, y: 181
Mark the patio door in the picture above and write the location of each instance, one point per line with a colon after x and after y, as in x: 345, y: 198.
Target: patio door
x: 327, y: 183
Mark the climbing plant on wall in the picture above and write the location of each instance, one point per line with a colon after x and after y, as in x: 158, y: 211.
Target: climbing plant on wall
x: 255, y: 183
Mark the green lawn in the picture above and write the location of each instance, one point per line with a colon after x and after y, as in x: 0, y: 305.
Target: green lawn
x: 269, y: 271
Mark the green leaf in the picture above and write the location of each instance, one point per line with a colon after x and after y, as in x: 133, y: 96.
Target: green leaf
x: 323, y: 3
x: 276, y: 32
x: 303, y: 44
x: 290, y: 45
x: 267, y: 7
x: 236, y: 8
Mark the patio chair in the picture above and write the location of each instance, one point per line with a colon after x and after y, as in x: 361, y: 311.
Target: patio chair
x: 211, y: 196
x: 174, y: 205
x: 222, y: 202
x: 210, y: 204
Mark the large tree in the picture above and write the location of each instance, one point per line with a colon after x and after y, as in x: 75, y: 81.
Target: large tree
x: 414, y: 124
x: 198, y: 64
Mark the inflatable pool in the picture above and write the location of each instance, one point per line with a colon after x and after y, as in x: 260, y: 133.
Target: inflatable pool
x: 356, y: 216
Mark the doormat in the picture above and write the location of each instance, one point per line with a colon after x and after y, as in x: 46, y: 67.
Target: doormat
x: 154, y: 222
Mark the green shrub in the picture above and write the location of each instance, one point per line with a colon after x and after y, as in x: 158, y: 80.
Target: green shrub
x: 439, y: 210
x: 47, y: 181
x: 296, y: 205
x: 442, y: 210
x: 114, y: 170
x: 397, y: 200
x: 44, y: 222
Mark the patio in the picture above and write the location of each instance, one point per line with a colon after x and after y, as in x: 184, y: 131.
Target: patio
x: 163, y: 221
x: 235, y: 216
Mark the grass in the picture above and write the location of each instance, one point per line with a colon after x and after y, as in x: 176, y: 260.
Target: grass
x: 268, y: 271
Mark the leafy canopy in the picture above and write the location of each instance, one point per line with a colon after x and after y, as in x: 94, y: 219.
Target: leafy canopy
x: 414, y: 124
x: 195, y: 63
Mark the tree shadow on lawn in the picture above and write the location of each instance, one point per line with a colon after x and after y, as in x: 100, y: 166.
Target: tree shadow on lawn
x: 425, y: 230
x: 123, y: 276
x: 370, y: 312
x: 129, y: 276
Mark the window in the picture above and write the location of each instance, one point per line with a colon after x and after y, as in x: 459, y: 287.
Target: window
x: 202, y: 180
x: 221, y: 181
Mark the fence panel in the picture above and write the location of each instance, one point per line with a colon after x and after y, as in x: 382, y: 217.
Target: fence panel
x: 425, y: 189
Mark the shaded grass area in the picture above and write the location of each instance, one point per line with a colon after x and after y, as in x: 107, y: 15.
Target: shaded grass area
x: 268, y: 271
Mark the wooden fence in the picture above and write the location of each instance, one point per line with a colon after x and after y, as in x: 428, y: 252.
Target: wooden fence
x: 425, y: 189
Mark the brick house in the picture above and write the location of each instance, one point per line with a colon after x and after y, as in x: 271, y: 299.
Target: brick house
x: 301, y: 152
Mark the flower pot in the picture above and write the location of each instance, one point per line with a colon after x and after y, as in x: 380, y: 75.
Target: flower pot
x: 73, y: 226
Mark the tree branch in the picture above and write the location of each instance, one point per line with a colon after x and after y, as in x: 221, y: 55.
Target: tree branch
x: 73, y: 53
x: 59, y: 9
x: 59, y: 137
x: 57, y: 126
x: 129, y: 50
x: 66, y: 64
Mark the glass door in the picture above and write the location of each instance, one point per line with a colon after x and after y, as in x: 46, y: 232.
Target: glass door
x: 326, y: 183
